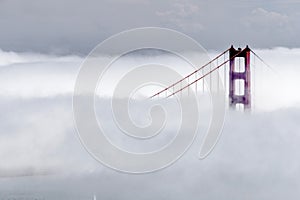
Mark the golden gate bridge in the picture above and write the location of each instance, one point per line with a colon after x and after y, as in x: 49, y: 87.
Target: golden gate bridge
x: 238, y: 74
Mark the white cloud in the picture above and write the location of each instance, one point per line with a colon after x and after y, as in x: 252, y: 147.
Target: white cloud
x: 256, y: 157
x: 255, y: 151
x: 267, y: 19
x: 26, y: 75
x: 181, y: 15
x: 29, y: 74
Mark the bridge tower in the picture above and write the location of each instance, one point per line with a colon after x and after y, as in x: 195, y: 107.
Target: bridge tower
x: 239, y: 75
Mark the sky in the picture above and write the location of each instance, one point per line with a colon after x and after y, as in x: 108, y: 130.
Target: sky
x: 75, y: 27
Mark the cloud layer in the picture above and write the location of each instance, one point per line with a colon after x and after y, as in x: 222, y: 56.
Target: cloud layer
x: 256, y: 157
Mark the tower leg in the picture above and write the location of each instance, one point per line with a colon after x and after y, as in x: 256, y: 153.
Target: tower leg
x: 234, y: 97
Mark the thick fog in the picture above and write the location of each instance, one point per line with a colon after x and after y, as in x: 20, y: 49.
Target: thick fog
x: 42, y: 157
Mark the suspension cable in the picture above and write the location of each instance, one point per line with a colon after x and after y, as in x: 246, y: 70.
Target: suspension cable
x: 208, y: 73
x: 167, y: 88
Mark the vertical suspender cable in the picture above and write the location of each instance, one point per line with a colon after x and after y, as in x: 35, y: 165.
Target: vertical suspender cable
x: 225, y: 75
x: 188, y: 82
x: 196, y: 82
x: 203, y: 81
x: 217, y: 76
x: 210, y: 84
x: 254, y: 80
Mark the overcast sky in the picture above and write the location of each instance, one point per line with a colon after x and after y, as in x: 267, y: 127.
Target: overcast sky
x: 73, y: 26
